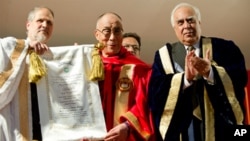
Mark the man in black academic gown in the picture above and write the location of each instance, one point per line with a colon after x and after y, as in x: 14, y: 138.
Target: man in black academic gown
x: 196, y: 90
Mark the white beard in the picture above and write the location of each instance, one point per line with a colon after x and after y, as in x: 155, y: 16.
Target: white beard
x: 40, y: 38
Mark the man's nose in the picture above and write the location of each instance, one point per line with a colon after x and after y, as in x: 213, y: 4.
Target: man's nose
x: 187, y: 24
x: 45, y: 23
x: 112, y: 35
x: 131, y: 51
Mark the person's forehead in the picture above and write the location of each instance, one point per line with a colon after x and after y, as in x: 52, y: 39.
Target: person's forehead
x: 130, y: 39
x: 42, y: 13
x: 184, y: 12
x: 110, y: 21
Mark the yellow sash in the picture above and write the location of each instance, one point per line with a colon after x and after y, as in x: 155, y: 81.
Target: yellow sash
x: 23, y: 95
x: 124, y: 85
x: 123, y: 88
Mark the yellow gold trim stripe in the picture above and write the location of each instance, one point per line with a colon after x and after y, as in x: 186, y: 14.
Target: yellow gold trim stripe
x: 209, y: 118
x: 23, y: 93
x: 207, y: 45
x: 14, y: 57
x: 170, y: 104
x: 231, y: 95
x: 136, y: 125
x: 121, y: 99
x: 229, y: 90
x: 24, y: 105
x: 227, y: 84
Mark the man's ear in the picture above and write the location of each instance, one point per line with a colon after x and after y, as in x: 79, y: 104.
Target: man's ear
x: 96, y: 35
x: 27, y: 25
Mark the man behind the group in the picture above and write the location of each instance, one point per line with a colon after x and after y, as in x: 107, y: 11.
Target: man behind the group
x: 124, y: 88
x: 132, y: 42
x: 15, y: 104
x: 196, y: 94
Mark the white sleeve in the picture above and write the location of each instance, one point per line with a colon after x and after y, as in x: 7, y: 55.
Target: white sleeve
x: 6, y: 47
x: 10, y: 74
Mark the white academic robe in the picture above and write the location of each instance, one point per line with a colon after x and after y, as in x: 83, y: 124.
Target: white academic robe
x: 12, y: 111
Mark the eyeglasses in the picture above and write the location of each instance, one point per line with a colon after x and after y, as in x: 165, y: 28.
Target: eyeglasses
x: 107, y: 32
x: 135, y: 47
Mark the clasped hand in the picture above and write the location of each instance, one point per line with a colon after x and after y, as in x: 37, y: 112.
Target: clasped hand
x: 195, y: 65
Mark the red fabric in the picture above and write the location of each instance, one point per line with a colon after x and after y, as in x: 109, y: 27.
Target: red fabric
x: 247, y: 100
x: 137, y: 97
x: 247, y: 107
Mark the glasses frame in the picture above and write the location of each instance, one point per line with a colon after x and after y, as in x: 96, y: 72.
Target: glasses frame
x: 110, y: 31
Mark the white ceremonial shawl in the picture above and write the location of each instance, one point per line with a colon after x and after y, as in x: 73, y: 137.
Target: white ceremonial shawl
x: 12, y: 63
x: 69, y: 104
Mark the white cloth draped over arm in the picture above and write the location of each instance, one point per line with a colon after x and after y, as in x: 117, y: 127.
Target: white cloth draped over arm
x: 12, y: 66
x: 9, y: 87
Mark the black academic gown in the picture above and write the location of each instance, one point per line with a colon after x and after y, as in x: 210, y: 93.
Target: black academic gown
x: 227, y: 55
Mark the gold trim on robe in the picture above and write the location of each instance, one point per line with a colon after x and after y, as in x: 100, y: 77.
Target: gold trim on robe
x: 209, y: 112
x: 23, y: 94
x: 23, y: 105
x: 209, y: 118
x: 136, y: 124
x: 123, y: 87
x: 22, y: 89
x: 170, y: 104
x: 14, y: 57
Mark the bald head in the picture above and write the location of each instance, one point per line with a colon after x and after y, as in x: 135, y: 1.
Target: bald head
x: 108, y: 14
x: 109, y: 32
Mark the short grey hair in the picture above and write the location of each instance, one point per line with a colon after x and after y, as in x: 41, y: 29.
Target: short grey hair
x: 196, y: 10
x: 32, y: 13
